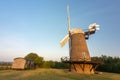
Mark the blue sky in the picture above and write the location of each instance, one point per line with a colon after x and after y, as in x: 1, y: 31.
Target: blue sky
x: 39, y: 25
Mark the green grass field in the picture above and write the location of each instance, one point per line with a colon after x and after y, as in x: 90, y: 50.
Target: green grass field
x: 53, y: 74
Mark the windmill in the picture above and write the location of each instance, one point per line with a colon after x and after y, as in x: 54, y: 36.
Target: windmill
x: 79, y: 60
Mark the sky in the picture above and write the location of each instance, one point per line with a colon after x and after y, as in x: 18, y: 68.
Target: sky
x: 39, y: 25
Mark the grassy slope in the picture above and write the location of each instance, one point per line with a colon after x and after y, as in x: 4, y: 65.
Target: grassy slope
x: 53, y: 74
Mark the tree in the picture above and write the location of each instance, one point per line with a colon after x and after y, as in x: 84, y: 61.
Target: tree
x: 48, y: 64
x: 60, y: 65
x: 55, y: 64
x: 110, y: 64
x: 38, y: 61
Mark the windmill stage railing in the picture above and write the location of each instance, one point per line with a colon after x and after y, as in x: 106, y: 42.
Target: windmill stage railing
x: 79, y: 60
x: 64, y: 59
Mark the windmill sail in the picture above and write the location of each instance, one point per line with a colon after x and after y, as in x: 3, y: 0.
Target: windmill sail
x: 68, y: 14
x: 64, y: 40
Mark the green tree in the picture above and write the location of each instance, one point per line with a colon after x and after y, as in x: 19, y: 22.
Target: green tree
x: 55, y: 64
x: 60, y: 65
x: 38, y: 61
x: 48, y: 64
x: 110, y: 64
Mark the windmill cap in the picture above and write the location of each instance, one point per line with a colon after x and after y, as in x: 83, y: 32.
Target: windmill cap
x: 76, y: 30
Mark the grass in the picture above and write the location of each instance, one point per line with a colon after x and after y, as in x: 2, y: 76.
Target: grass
x: 53, y: 74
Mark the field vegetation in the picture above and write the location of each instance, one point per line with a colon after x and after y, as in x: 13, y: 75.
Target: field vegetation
x: 53, y: 74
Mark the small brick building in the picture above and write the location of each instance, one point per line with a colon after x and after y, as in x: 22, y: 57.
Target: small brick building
x: 22, y: 63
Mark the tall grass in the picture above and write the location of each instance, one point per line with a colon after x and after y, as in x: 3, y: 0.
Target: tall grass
x: 53, y: 74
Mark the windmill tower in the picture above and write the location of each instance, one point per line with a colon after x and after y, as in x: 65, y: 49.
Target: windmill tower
x: 79, y: 60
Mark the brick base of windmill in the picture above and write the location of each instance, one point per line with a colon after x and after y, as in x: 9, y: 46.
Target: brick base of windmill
x: 83, y: 67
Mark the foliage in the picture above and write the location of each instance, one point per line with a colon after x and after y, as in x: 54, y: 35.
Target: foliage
x: 38, y: 61
x: 60, y: 65
x: 48, y: 64
x: 55, y: 64
x: 110, y: 64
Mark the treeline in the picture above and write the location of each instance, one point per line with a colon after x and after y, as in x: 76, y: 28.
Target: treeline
x: 5, y: 65
x: 55, y: 64
x: 39, y: 62
x: 108, y: 64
